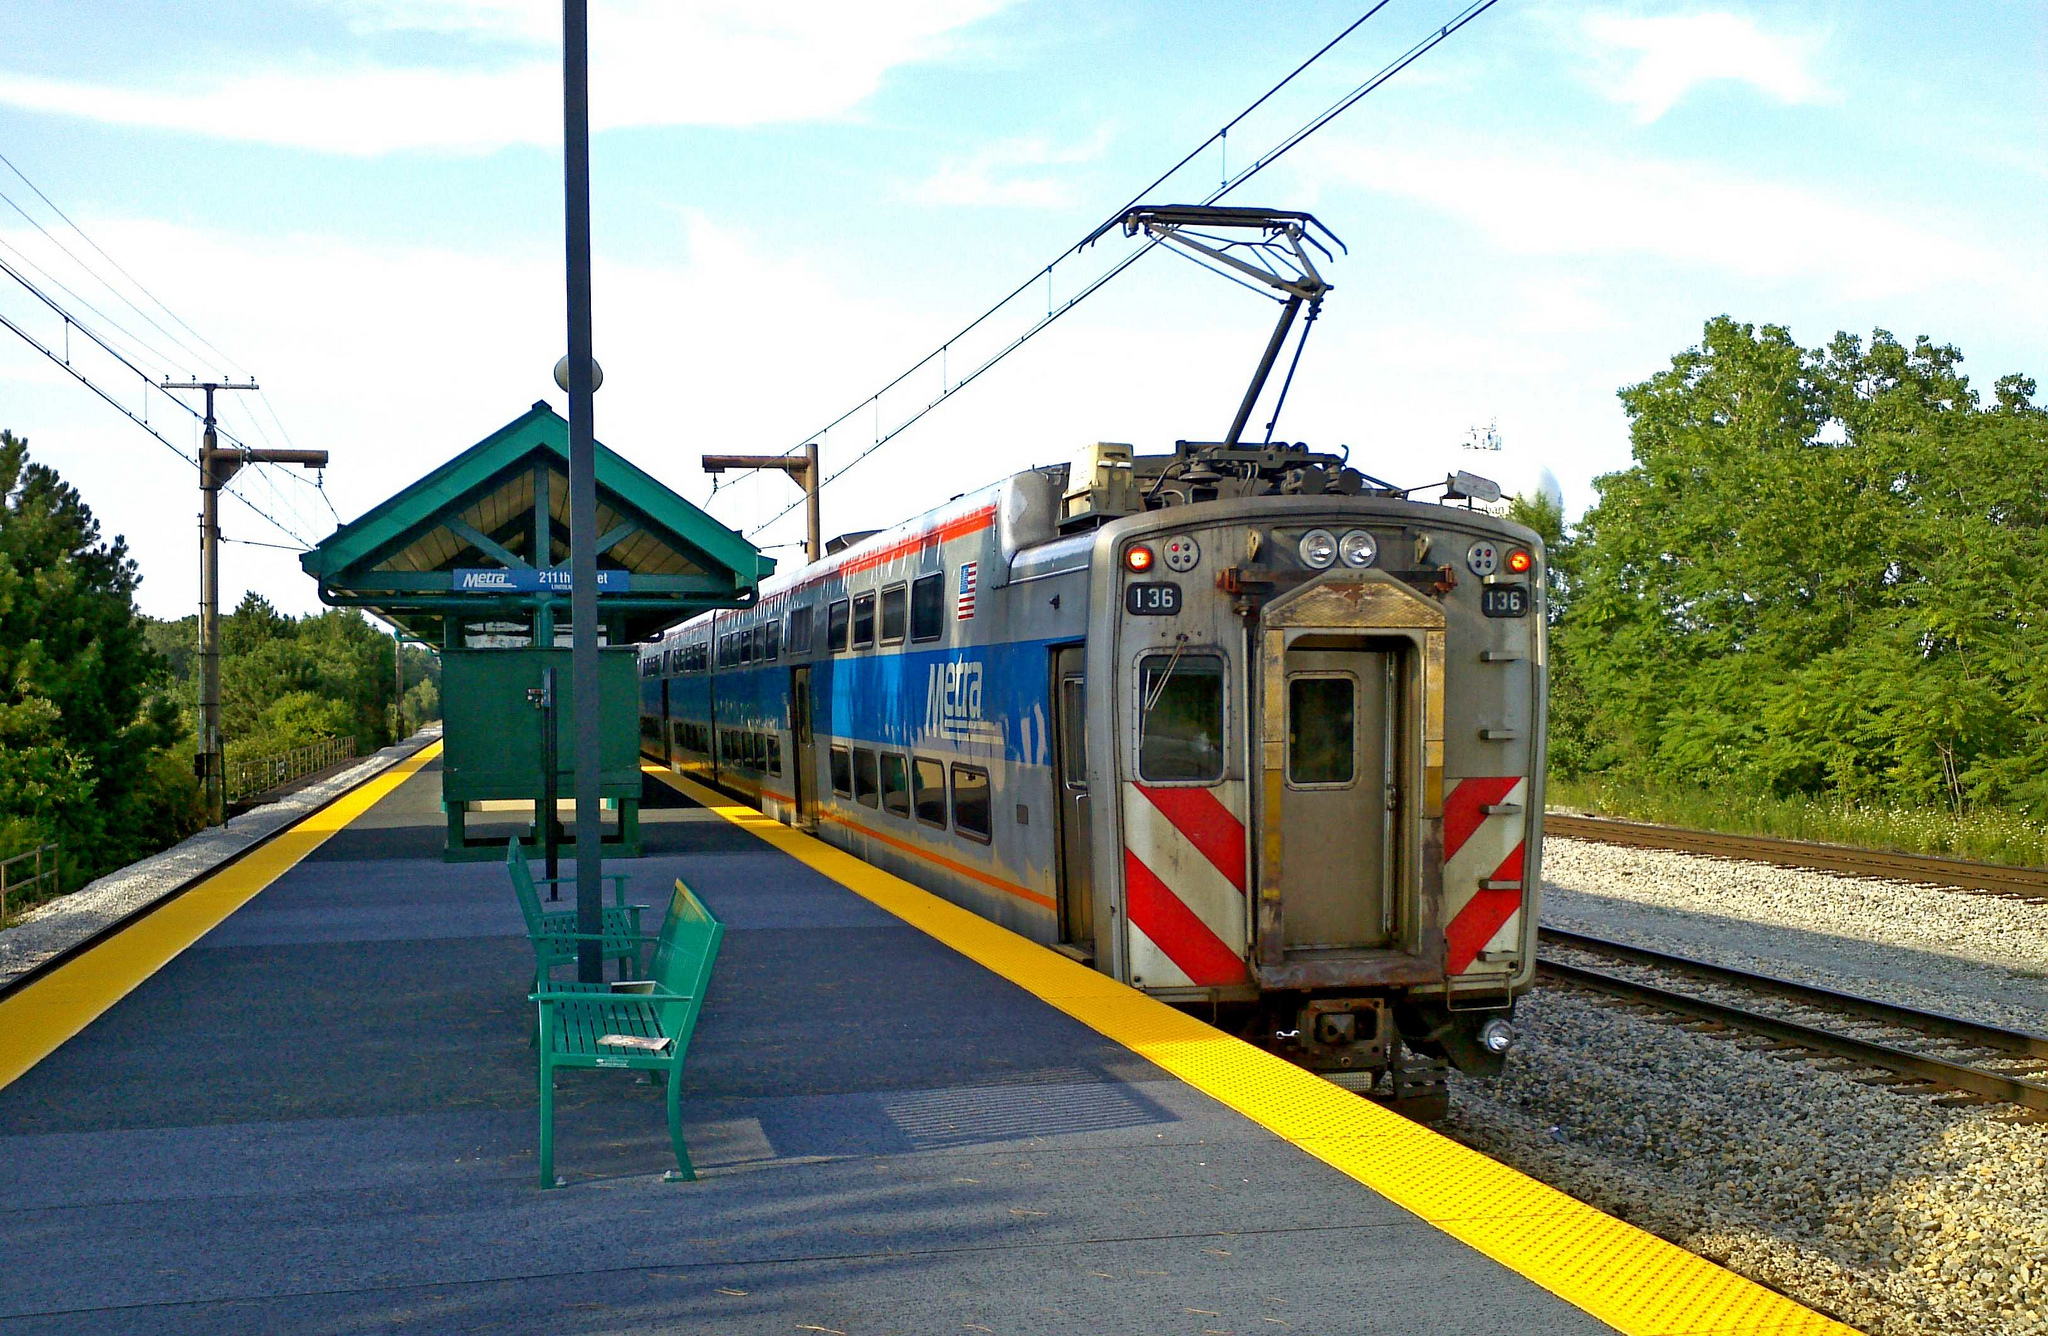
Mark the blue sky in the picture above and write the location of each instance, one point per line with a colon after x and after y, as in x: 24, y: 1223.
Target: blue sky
x: 359, y: 201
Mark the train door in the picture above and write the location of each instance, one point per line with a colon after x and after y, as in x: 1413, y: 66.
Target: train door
x: 803, y: 772
x: 1338, y: 797
x: 1076, y: 862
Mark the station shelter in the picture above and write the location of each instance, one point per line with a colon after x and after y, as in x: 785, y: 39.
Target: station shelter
x: 474, y: 559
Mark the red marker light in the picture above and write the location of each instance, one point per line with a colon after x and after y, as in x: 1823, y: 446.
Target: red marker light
x: 1519, y: 561
x: 1139, y: 558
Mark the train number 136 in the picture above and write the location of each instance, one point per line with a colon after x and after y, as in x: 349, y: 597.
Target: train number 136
x: 1157, y: 599
x: 1504, y: 600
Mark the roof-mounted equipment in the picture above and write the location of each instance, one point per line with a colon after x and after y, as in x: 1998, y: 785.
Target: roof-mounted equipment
x: 1273, y: 261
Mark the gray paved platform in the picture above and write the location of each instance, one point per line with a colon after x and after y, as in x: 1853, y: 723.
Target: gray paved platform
x: 321, y: 1119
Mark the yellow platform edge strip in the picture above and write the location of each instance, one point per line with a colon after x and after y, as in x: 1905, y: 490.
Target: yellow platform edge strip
x: 42, y: 1015
x: 1622, y: 1275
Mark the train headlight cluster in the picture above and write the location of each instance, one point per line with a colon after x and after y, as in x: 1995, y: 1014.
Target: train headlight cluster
x: 1358, y: 548
x: 1318, y: 549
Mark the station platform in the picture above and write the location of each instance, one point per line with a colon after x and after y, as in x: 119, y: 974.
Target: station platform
x: 300, y: 1097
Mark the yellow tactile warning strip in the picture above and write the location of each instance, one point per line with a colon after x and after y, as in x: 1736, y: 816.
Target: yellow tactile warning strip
x: 39, y: 1017
x: 1629, y: 1279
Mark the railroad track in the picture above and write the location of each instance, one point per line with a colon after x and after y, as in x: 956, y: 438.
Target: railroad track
x: 2019, y: 883
x: 1822, y: 1019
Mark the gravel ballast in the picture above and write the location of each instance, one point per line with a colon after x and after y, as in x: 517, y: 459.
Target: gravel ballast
x: 1978, y: 956
x: 1898, y: 1212
x: 1888, y: 1210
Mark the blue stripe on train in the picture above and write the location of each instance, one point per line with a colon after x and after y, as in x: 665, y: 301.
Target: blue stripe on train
x: 980, y: 699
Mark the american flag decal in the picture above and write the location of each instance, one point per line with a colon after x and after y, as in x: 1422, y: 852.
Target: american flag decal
x: 963, y: 607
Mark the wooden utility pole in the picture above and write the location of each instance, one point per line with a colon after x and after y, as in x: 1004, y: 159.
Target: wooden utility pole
x: 802, y: 470
x: 216, y: 466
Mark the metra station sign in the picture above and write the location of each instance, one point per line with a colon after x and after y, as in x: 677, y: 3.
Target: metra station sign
x: 528, y: 580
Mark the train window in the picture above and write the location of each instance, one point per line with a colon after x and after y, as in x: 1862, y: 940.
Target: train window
x: 1321, y: 729
x: 928, y: 606
x: 970, y: 802
x: 867, y: 781
x: 930, y: 778
x: 842, y: 771
x: 863, y: 620
x: 896, y: 785
x: 1074, y: 728
x: 774, y: 753
x: 1180, y: 727
x: 757, y: 750
x: 746, y: 639
x: 835, y: 634
x: 798, y: 636
x: 771, y: 640
x: 895, y: 613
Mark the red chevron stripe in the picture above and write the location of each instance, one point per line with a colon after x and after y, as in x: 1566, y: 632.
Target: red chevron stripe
x: 1461, y: 807
x: 1480, y: 919
x: 1175, y: 929
x: 1208, y: 825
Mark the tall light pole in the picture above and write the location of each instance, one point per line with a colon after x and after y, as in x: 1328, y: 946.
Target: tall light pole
x: 216, y: 467
x: 583, y: 664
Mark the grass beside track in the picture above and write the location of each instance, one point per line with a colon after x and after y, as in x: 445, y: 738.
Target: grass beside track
x: 1992, y: 836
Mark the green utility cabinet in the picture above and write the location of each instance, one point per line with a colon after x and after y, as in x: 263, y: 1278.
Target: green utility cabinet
x: 494, y: 741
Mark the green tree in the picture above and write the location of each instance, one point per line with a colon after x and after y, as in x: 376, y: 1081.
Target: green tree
x: 79, y: 717
x: 1824, y: 573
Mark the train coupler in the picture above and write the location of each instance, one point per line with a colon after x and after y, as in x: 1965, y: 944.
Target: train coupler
x: 1342, y: 1034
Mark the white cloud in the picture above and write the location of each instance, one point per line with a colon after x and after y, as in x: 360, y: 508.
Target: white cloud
x: 1011, y: 173
x: 1652, y: 63
x: 653, y: 63
x: 418, y: 351
x: 1538, y: 203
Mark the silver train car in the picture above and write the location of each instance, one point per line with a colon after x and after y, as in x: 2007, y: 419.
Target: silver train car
x: 1239, y: 727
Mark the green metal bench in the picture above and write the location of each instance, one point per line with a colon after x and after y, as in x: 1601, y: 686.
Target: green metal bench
x: 655, y: 1012
x: 546, y: 928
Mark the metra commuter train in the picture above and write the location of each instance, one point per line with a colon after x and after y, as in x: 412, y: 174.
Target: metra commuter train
x: 1240, y: 727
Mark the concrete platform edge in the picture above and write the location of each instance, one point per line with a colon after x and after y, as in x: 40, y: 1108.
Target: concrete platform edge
x: 54, y: 930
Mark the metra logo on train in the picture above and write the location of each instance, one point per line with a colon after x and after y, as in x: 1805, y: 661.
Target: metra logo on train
x: 952, y: 707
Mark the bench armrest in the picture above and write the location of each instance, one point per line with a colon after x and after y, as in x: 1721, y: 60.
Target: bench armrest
x: 617, y: 880
x: 591, y: 937
x: 660, y: 995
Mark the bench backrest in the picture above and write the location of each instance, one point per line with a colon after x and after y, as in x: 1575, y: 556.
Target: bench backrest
x: 522, y: 883
x: 683, y: 957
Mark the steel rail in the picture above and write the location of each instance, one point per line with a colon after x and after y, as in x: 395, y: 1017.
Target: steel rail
x: 1870, y: 1008
x: 2023, y: 883
x: 1919, y: 1066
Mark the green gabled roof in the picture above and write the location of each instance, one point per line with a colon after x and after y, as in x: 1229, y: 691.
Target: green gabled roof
x: 484, y: 509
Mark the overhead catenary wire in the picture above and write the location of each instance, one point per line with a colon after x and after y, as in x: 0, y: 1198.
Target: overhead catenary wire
x: 230, y: 363
x: 1045, y: 271
x: 1230, y: 183
x: 72, y: 322
x: 256, y: 425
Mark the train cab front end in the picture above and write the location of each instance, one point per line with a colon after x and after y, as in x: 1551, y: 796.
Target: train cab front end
x: 1325, y: 715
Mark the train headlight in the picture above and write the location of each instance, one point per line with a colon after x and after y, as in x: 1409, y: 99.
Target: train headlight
x: 1358, y: 548
x: 1318, y: 548
x: 1519, y: 561
x: 1138, y: 557
x: 1496, y: 1036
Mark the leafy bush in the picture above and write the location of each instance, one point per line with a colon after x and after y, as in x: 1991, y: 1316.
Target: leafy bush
x: 1825, y: 575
